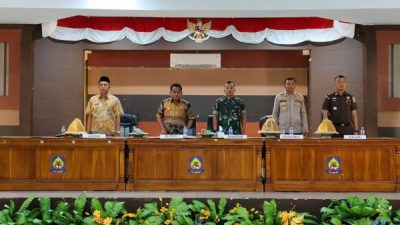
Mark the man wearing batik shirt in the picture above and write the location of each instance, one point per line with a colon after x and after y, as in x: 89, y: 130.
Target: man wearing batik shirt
x: 174, y: 113
x: 229, y: 111
x: 103, y: 111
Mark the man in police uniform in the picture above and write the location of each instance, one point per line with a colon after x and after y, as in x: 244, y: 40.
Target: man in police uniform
x: 341, y: 108
x: 289, y: 109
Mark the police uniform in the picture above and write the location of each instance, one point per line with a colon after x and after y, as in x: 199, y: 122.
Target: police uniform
x: 340, y: 109
x: 290, y: 111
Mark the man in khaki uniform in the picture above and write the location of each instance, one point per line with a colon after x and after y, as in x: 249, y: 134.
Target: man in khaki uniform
x: 289, y: 109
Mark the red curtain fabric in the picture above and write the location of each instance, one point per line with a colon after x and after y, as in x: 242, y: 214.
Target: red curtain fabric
x: 249, y: 30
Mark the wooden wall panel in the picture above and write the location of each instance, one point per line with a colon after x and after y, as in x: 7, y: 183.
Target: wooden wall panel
x: 384, y: 38
x: 153, y: 164
x: 182, y: 160
x: 16, y: 163
x: 229, y: 59
x: 235, y: 163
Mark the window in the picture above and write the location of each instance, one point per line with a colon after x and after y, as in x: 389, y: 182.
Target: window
x: 3, y: 69
x: 394, y: 71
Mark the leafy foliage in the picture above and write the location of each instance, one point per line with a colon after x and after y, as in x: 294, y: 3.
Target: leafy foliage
x: 357, y: 211
x: 210, y: 213
x: 240, y: 215
x: 352, y: 210
x: 111, y: 213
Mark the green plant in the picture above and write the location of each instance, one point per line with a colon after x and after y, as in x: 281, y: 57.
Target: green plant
x: 23, y: 216
x: 295, y: 218
x: 109, y: 214
x: 45, y: 209
x: 178, y: 213
x: 270, y: 212
x: 352, y: 210
x: 209, y: 214
x: 357, y: 211
x: 62, y: 215
x: 240, y: 215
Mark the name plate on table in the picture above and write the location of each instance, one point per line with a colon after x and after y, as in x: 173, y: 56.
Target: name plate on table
x: 235, y: 136
x: 171, y: 136
x: 355, y: 137
x: 99, y: 136
x: 291, y: 136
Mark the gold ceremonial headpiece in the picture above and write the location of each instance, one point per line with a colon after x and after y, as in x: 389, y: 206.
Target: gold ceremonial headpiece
x: 270, y: 126
x: 326, y: 127
x: 76, y: 127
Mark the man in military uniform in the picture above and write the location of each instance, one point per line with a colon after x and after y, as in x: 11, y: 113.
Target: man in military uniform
x: 229, y: 111
x: 341, y: 108
x: 289, y: 109
x: 174, y: 113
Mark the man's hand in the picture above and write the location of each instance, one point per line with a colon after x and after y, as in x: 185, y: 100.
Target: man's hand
x: 163, y: 131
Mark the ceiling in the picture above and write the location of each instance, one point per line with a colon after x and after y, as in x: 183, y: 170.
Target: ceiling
x: 366, y: 12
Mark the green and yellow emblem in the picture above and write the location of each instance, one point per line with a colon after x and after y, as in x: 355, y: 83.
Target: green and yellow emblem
x: 333, y: 165
x: 196, y: 164
x: 57, y: 164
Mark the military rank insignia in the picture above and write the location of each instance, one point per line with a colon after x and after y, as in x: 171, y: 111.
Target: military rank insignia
x: 57, y: 164
x: 333, y: 165
x: 196, y: 164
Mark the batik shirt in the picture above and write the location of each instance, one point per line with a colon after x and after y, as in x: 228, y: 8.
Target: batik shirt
x: 175, y: 115
x: 104, y: 112
x: 229, y: 111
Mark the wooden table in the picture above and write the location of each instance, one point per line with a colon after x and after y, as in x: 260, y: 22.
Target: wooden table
x: 27, y: 164
x: 227, y: 165
x: 151, y: 164
x: 364, y: 165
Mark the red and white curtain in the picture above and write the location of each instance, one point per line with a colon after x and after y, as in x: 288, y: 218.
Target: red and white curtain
x: 285, y: 31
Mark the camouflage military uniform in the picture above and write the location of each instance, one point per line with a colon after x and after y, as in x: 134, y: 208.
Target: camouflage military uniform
x: 229, y: 111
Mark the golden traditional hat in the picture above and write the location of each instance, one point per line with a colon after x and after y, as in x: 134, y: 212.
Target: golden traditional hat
x: 270, y: 126
x: 326, y: 127
x: 76, y: 127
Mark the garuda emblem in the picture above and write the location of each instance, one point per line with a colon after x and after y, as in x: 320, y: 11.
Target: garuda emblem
x: 199, y: 30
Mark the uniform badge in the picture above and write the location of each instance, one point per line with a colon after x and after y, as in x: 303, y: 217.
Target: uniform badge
x: 196, y: 164
x: 283, y: 107
x: 57, y: 164
x: 333, y: 165
x: 334, y: 108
